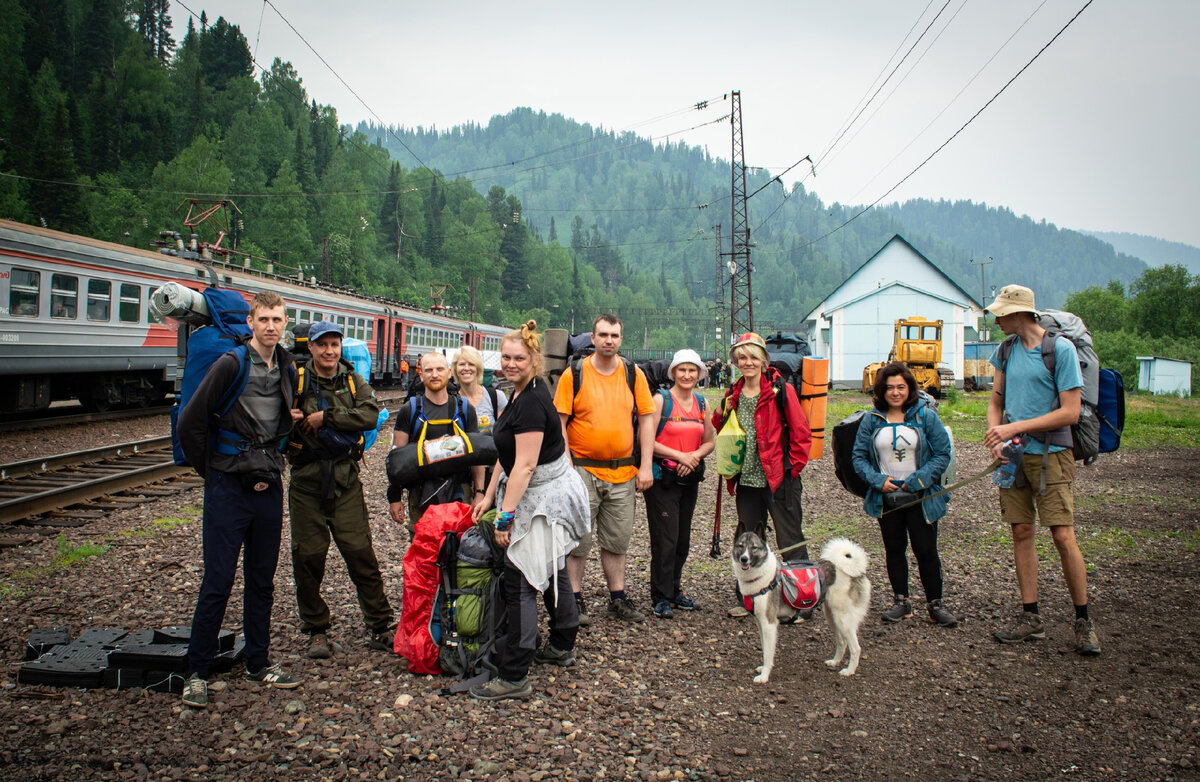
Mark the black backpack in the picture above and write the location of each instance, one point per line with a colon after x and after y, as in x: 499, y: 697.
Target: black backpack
x: 469, y: 605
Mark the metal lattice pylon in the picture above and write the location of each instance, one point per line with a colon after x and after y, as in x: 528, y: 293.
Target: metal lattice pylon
x: 741, y: 300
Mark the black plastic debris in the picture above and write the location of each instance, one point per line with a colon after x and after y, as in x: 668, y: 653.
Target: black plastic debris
x: 165, y: 681
x: 137, y: 638
x: 124, y: 678
x: 101, y: 636
x: 182, y: 634
x: 151, y: 657
x: 227, y: 661
x: 42, y: 641
x: 73, y: 665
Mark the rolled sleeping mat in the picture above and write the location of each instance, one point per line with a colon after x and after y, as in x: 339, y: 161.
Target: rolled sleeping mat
x: 555, y: 349
x: 176, y: 300
x: 445, y: 456
x: 814, y: 394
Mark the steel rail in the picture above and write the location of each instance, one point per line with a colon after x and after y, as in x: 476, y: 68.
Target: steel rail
x: 75, y: 458
x: 47, y: 422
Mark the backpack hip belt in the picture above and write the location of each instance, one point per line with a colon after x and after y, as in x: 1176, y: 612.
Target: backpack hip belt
x: 610, y: 464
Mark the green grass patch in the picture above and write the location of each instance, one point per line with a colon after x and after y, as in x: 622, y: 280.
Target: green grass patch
x: 171, y: 522
x: 68, y: 554
x: 1157, y: 421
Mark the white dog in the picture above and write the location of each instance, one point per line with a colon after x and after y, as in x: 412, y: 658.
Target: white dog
x: 847, y: 596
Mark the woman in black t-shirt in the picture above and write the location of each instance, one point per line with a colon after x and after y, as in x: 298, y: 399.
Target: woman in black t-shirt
x: 542, y: 512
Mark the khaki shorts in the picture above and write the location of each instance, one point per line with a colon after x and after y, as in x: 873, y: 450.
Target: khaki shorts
x: 1056, y: 507
x: 612, y: 507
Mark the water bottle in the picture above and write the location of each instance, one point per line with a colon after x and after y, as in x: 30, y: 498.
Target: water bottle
x: 1006, y: 474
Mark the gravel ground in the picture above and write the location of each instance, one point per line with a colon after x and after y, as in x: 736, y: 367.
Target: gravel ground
x: 662, y: 699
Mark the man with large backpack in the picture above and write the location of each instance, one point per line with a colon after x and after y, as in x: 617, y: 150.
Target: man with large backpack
x: 238, y: 452
x: 1030, y: 403
x: 325, y: 496
x: 433, y: 413
x: 598, y: 400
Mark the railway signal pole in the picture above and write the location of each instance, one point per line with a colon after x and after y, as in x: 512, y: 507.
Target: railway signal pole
x: 741, y: 298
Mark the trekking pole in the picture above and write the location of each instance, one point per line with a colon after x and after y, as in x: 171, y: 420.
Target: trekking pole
x: 715, y: 552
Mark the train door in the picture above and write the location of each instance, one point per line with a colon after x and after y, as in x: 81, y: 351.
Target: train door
x: 381, y: 347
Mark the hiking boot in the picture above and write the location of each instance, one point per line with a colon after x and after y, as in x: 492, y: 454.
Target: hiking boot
x: 1086, y: 642
x: 1028, y: 628
x: 501, y: 689
x: 552, y: 655
x: 662, y: 609
x: 272, y: 675
x: 622, y: 608
x: 381, y: 640
x: 938, y: 614
x: 584, y: 619
x: 900, y: 610
x: 318, y: 647
x: 738, y: 611
x: 684, y: 603
x: 195, y: 692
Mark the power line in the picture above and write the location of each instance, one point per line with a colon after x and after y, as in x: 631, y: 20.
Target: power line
x: 849, y: 125
x: 945, y: 143
x: 952, y: 101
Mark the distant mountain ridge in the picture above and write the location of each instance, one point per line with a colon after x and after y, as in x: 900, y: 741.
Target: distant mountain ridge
x: 658, y: 204
x: 1151, y: 249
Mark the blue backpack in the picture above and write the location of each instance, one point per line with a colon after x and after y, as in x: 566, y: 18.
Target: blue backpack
x: 229, y: 332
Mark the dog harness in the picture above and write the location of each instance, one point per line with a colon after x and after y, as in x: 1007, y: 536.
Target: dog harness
x: 803, y: 586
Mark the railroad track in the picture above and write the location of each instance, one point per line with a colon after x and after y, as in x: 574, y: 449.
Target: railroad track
x: 37, y: 486
x: 47, y: 421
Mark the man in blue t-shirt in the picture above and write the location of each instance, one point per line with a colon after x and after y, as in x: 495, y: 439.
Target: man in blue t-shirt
x: 1030, y: 403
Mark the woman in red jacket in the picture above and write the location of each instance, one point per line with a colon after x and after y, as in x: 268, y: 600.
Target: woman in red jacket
x: 777, y: 445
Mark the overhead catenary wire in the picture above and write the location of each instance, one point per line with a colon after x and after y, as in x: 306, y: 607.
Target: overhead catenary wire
x: 956, y: 133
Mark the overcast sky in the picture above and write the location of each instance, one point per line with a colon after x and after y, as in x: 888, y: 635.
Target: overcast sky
x: 1101, y: 132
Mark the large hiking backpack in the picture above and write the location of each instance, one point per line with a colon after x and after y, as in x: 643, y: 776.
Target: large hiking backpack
x: 655, y: 370
x: 469, y: 608
x: 1083, y: 437
x: 228, y: 331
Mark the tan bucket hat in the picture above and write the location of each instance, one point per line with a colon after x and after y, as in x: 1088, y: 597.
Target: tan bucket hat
x: 1010, y: 299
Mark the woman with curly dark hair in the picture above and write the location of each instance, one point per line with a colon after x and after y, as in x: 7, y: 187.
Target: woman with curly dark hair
x: 901, y: 451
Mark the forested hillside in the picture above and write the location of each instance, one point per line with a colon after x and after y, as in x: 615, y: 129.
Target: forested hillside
x: 1152, y: 250
x: 109, y: 124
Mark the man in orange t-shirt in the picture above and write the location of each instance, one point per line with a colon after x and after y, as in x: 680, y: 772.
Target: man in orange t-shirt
x: 598, y: 427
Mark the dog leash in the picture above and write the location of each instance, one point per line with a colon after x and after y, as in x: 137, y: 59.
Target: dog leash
x: 991, y: 468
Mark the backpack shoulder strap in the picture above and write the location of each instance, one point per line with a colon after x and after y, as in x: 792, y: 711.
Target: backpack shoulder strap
x: 492, y: 395
x: 631, y: 378
x: 225, y: 404
x: 301, y: 377
x: 460, y: 410
x: 1048, y: 356
x: 1005, y: 351
x: 668, y: 405
x: 416, y: 411
x: 700, y: 401
x: 576, y: 376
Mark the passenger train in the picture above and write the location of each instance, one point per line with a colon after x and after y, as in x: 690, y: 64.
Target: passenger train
x: 76, y: 321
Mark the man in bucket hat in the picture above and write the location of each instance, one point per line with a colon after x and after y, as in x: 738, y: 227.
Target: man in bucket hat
x: 1031, y: 403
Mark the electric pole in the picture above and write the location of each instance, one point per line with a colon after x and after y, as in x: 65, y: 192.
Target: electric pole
x: 741, y: 299
x: 719, y: 292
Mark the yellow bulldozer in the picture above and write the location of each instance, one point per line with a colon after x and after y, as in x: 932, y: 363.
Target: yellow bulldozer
x: 918, y: 343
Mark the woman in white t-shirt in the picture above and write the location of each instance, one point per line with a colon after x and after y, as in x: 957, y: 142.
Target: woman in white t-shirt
x: 468, y: 374
x: 901, y: 451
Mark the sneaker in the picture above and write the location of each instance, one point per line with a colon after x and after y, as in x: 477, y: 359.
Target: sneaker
x: 738, y: 611
x: 622, y: 608
x: 501, y: 689
x: 938, y: 614
x: 381, y: 640
x: 662, y: 609
x: 1086, y: 642
x: 584, y: 619
x: 900, y: 610
x: 685, y: 603
x: 552, y: 655
x: 318, y: 647
x: 273, y: 676
x: 195, y: 692
x: 1028, y: 628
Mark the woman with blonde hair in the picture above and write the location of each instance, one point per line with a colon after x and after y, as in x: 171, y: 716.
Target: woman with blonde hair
x: 467, y: 368
x: 542, y: 513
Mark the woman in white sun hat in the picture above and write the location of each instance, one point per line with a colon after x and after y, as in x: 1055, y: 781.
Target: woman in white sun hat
x: 684, y: 437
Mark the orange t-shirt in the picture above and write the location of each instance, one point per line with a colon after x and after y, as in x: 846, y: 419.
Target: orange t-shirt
x: 602, y: 428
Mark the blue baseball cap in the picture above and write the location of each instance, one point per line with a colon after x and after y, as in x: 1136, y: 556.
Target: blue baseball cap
x: 319, y: 330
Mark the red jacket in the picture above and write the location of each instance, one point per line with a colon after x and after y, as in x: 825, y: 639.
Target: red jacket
x: 769, y: 428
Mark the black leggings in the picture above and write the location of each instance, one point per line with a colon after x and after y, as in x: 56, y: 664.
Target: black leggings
x: 898, y: 528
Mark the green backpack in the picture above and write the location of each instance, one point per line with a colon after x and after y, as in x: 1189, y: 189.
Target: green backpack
x: 469, y: 606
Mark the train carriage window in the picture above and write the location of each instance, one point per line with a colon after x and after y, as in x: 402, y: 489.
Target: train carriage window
x: 304, y: 317
x: 130, y: 309
x: 64, y: 296
x: 99, y: 303
x: 24, y: 288
x: 291, y: 313
x: 371, y: 330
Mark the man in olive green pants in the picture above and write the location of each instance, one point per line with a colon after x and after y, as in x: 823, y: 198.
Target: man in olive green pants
x: 325, y: 497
